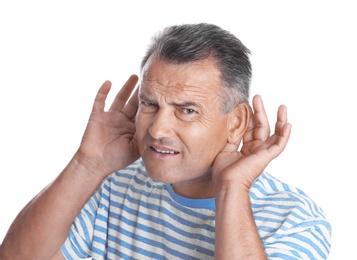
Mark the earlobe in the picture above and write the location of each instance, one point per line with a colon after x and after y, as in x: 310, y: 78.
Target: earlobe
x: 238, y: 123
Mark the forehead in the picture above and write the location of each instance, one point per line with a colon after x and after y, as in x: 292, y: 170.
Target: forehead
x: 199, y: 79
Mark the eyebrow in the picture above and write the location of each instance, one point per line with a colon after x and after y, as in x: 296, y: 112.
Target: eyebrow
x: 145, y: 97
x: 186, y: 104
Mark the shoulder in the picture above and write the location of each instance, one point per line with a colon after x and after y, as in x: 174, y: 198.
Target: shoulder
x: 268, y: 191
x: 268, y: 188
x: 285, y: 215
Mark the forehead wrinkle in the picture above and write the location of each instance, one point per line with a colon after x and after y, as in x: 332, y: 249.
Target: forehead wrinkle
x: 194, y: 81
x: 178, y: 94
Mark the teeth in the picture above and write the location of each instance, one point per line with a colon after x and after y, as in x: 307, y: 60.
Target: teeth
x: 163, y: 151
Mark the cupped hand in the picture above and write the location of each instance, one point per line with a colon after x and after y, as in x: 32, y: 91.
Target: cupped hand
x: 108, y: 143
x: 233, y: 168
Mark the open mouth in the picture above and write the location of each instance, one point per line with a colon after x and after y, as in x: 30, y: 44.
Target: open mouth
x: 163, y: 151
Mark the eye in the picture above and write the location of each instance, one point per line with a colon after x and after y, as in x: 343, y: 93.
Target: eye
x: 188, y: 111
x: 186, y: 114
x: 147, y: 106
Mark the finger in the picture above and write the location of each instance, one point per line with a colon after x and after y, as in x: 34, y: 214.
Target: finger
x: 124, y: 93
x: 282, y: 129
x: 131, y: 107
x: 282, y: 119
x: 99, y: 102
x: 281, y: 141
x: 262, y: 128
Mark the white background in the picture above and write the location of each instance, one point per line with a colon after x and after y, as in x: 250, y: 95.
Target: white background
x: 55, y: 54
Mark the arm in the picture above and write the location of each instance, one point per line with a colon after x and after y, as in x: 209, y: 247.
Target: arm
x: 41, y: 228
x: 234, y: 172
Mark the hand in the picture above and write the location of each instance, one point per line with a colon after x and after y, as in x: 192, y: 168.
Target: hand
x: 233, y: 168
x: 108, y: 143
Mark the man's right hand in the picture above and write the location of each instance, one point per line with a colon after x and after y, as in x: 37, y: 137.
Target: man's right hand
x: 108, y: 143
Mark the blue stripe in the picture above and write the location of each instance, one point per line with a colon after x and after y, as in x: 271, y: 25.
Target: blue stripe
x: 145, y: 228
x: 162, y: 210
x: 324, y: 241
x: 283, y: 256
x: 154, y: 243
x: 299, y: 248
x: 84, y: 228
x: 93, y: 204
x: 312, y: 244
x: 156, y: 232
x: 168, y: 224
x: 125, y: 256
x: 272, y: 184
x: 159, y: 186
x: 317, y: 233
x: 100, y: 229
x: 76, y: 247
x: 281, y: 208
x: 287, y: 216
x: 66, y: 253
x: 315, y: 210
x: 273, y: 202
x: 286, y: 187
x: 97, y: 250
x: 144, y: 252
x: 151, y: 206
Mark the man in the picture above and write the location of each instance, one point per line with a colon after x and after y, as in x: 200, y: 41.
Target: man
x: 161, y: 176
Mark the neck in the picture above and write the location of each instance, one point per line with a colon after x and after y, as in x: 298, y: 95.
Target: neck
x: 195, y: 189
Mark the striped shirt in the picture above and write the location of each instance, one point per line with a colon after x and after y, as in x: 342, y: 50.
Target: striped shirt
x: 131, y: 216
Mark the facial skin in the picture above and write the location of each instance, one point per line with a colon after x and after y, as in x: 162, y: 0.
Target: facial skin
x: 180, y: 128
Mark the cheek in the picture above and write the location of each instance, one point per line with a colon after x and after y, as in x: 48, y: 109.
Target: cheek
x: 140, y: 129
x: 219, y: 135
x: 209, y: 137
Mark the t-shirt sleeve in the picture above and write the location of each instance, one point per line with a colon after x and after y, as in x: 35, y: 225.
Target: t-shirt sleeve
x: 78, y: 244
x: 291, y: 225
x: 308, y: 240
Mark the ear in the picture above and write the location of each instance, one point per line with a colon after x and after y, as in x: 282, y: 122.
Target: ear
x: 238, y: 122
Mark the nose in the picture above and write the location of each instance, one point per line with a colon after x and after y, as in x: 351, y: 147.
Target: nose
x: 162, y: 125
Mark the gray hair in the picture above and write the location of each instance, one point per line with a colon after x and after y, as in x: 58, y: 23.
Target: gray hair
x: 192, y: 42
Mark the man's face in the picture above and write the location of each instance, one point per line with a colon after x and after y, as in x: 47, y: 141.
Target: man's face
x: 179, y: 125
